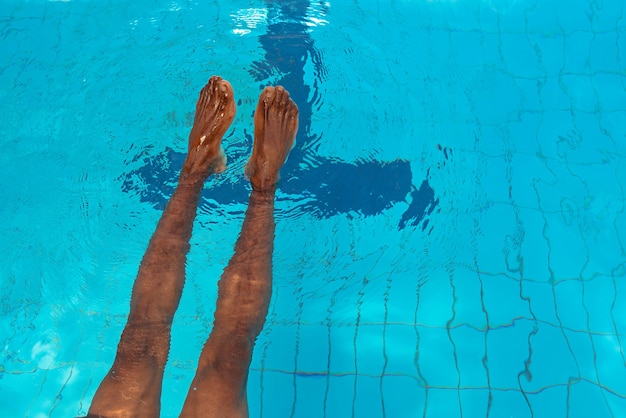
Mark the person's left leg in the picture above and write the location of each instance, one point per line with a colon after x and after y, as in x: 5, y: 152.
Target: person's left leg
x: 132, y: 388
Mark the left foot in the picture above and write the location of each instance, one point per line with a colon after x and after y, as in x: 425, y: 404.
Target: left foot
x: 215, y: 112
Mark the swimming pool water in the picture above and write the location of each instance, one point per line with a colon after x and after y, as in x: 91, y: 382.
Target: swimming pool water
x: 450, y: 226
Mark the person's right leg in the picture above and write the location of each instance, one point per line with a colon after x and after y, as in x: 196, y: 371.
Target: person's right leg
x: 219, y: 387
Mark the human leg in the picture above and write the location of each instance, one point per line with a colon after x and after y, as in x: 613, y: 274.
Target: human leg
x: 132, y: 387
x: 244, y: 290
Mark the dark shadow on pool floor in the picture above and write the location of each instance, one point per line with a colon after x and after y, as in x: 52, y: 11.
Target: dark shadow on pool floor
x: 332, y: 187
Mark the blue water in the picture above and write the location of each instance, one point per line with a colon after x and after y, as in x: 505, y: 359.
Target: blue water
x: 450, y: 227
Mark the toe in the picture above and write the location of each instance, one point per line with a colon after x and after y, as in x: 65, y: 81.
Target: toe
x: 224, y: 86
x: 212, y: 82
x: 281, y: 95
x: 268, y: 95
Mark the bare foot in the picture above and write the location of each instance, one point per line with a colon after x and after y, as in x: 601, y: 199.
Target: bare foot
x: 215, y: 112
x: 275, y: 127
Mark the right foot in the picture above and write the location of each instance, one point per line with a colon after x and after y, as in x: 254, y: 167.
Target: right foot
x: 275, y: 127
x: 215, y: 112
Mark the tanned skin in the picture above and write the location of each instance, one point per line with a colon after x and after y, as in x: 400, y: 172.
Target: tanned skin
x: 132, y: 388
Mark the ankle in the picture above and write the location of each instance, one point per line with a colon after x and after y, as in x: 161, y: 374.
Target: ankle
x: 262, y: 196
x: 266, y: 187
x: 191, y: 180
x: 260, y: 180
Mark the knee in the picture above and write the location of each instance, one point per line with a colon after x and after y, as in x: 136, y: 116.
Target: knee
x: 145, y: 342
